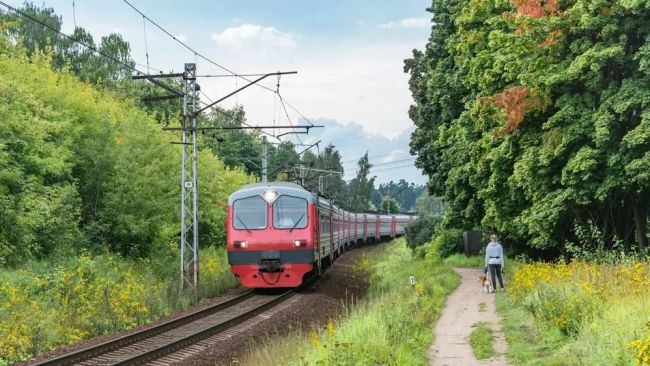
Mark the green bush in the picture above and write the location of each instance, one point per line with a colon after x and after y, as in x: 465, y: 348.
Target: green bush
x: 53, y: 304
x: 419, y: 232
x: 449, y: 241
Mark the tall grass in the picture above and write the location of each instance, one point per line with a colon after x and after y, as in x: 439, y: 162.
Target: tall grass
x: 578, y: 314
x: 44, y: 305
x: 461, y: 260
x: 392, y: 326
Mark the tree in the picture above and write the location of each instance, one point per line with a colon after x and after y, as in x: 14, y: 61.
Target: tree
x: 533, y: 117
x: 84, y: 169
x: 236, y: 148
x: 403, y: 192
x: 389, y: 205
x: 85, y: 63
x: 360, y: 187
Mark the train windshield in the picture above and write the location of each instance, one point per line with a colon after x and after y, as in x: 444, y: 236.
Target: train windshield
x: 249, y: 213
x: 290, y: 213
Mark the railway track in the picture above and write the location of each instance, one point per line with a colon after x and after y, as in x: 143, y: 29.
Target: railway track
x: 153, y: 343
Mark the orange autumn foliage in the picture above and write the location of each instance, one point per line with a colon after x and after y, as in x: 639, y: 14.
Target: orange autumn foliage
x: 536, y: 8
x: 515, y: 102
x: 551, y: 38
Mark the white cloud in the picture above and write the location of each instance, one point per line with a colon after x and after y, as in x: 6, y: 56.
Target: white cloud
x: 408, y: 23
x: 246, y: 34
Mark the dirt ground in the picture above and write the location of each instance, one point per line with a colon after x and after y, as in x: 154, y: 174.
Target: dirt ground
x: 462, y: 310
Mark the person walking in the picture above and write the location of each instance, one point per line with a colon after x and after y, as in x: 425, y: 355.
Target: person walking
x: 494, y: 261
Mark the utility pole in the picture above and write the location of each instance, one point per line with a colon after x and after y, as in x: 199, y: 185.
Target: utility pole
x: 189, y: 189
x: 303, y: 174
x: 265, y: 159
x: 189, y: 244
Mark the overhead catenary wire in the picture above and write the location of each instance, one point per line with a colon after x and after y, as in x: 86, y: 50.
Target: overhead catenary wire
x: 207, y: 59
x: 372, y: 171
x: 97, y: 51
x: 229, y: 115
x: 146, y: 45
x: 74, y: 15
x: 284, y: 107
x: 390, y: 162
x: 73, y: 39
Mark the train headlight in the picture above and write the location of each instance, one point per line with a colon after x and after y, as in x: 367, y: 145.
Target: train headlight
x: 240, y: 244
x: 299, y: 243
x: 269, y: 196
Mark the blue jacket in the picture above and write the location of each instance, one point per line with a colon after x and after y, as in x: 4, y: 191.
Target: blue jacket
x: 494, y: 254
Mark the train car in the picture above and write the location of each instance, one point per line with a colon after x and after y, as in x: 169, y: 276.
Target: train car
x: 279, y: 233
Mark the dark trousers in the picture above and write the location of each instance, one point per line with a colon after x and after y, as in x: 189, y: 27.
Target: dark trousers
x: 496, y: 268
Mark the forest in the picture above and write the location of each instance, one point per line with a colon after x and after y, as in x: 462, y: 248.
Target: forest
x: 533, y: 120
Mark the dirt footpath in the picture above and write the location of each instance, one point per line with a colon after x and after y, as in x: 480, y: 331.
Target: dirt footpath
x: 462, y: 310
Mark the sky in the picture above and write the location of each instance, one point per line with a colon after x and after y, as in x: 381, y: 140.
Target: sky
x: 348, y: 55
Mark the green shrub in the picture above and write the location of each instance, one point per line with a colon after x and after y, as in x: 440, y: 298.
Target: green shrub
x: 420, y: 231
x: 449, y: 241
x: 46, y: 305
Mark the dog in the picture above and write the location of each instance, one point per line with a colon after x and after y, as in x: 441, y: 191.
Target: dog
x: 486, y: 283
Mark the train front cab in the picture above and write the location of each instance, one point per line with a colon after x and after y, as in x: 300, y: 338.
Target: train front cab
x: 271, y: 241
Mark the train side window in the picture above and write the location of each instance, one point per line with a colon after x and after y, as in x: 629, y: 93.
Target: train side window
x: 249, y: 213
x: 324, y: 224
x: 289, y: 213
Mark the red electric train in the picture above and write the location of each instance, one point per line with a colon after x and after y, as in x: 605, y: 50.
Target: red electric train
x: 278, y: 233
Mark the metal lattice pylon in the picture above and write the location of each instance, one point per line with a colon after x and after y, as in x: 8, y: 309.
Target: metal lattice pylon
x: 189, y: 188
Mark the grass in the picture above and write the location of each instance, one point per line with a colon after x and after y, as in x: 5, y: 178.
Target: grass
x: 392, y: 326
x: 481, y: 340
x: 461, y: 260
x: 482, y: 307
x: 578, y: 314
x: 45, y: 305
x: 528, y: 344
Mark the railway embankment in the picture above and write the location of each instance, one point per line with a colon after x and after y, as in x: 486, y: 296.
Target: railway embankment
x: 54, y: 308
x: 340, y: 289
x: 391, y: 325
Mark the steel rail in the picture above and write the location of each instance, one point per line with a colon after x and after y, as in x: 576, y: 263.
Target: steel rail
x: 181, y: 343
x: 129, y: 339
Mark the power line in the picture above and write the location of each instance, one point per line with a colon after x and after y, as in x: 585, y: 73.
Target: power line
x: 200, y: 55
x: 229, y: 115
x: 372, y: 171
x: 73, y: 39
x: 228, y: 75
x: 392, y: 162
x: 370, y: 156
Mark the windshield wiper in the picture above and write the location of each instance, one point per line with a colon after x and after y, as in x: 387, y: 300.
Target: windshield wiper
x: 297, y: 222
x: 242, y: 222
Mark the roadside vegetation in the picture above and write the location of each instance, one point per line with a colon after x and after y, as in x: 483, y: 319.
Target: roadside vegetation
x: 461, y: 260
x: 392, y: 326
x: 48, y: 304
x: 578, y: 313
